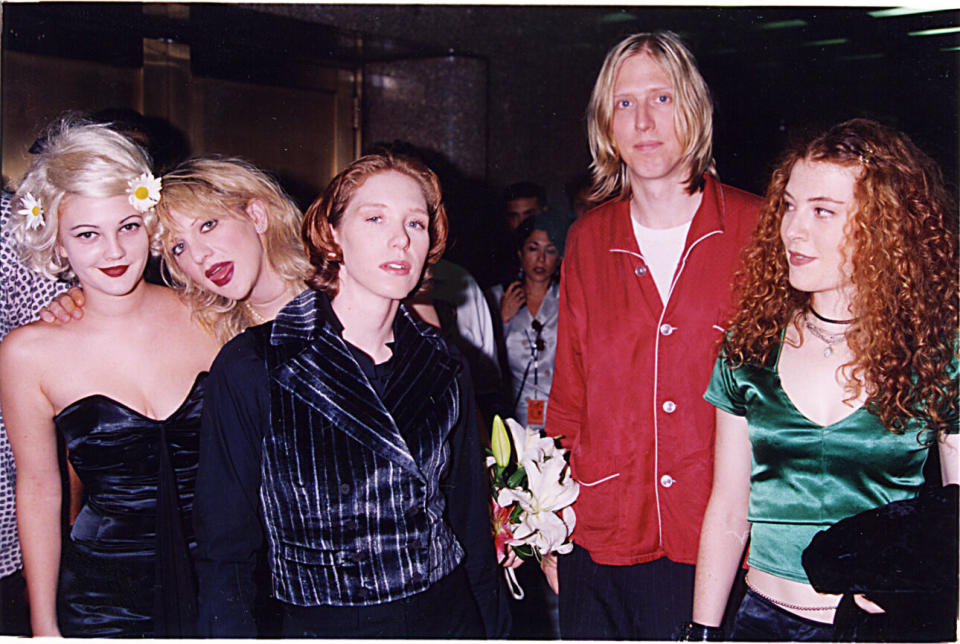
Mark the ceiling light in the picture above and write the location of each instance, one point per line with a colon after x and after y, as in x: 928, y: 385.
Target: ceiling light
x: 784, y: 24
x: 619, y: 16
x: 934, y: 32
x: 902, y: 11
x: 826, y: 43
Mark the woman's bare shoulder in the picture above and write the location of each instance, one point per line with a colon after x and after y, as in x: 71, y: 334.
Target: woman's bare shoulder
x: 171, y: 311
x: 33, y: 343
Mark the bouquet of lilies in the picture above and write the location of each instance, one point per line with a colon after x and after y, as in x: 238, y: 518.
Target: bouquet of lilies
x: 532, y: 494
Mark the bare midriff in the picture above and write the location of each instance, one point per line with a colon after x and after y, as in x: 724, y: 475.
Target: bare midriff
x: 794, y: 596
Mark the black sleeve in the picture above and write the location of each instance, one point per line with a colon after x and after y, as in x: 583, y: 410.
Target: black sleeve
x: 467, y: 496
x: 226, y: 507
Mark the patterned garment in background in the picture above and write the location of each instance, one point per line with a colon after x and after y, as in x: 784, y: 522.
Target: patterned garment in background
x: 22, y: 294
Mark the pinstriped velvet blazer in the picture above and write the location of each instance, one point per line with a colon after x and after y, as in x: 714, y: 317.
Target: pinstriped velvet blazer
x: 350, y: 488
x: 358, y: 495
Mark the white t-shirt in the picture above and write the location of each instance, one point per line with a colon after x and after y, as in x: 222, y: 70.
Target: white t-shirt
x: 661, y: 248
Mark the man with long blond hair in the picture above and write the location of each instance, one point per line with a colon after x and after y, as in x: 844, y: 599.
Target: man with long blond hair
x: 645, y: 286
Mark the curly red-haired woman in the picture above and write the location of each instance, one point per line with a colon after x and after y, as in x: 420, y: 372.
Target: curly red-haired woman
x: 838, y: 376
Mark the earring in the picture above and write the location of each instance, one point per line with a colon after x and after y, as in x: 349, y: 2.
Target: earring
x: 333, y: 256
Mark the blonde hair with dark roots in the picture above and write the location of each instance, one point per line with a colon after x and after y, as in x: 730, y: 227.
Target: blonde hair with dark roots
x: 693, y: 120
x: 218, y: 187
x: 77, y: 158
x: 325, y: 214
x: 902, y: 244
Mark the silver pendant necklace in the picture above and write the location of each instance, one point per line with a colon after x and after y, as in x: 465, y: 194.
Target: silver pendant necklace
x: 829, y: 338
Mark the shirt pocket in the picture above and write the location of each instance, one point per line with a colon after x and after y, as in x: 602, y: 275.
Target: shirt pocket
x: 600, y: 505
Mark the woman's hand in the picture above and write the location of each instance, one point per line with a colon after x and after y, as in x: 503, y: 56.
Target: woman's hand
x: 510, y: 559
x: 68, y: 306
x: 549, y: 567
x: 513, y: 298
x: 865, y: 604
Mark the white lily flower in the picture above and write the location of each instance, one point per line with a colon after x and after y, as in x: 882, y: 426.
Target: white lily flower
x: 546, y: 483
x: 546, y: 520
x: 529, y: 444
x: 545, y: 531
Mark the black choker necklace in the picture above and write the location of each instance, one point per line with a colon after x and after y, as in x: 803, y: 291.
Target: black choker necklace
x: 820, y: 317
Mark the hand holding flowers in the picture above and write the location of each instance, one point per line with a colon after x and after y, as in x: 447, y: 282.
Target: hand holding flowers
x: 532, y: 494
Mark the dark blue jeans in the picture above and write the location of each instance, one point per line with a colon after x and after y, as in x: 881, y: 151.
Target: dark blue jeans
x: 759, y: 620
x: 648, y: 601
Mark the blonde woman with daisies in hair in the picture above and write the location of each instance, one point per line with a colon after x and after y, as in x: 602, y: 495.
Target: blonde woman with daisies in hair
x: 122, y: 386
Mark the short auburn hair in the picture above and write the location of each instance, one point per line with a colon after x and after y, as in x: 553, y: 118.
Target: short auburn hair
x: 325, y: 213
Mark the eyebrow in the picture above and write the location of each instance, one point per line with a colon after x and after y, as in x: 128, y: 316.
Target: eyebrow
x: 122, y: 222
x: 381, y: 206
x: 786, y: 193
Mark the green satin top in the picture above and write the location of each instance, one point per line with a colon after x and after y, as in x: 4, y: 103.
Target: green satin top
x: 805, y: 477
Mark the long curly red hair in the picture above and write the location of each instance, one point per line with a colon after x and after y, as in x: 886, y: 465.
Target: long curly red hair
x: 902, y: 242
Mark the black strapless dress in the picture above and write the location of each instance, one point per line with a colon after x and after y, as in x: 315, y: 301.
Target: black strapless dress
x: 126, y: 569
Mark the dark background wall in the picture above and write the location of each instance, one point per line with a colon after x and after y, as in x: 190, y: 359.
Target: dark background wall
x: 501, y: 90
x: 771, y: 69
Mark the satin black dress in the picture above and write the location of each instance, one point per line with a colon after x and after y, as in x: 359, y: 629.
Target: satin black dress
x: 126, y: 568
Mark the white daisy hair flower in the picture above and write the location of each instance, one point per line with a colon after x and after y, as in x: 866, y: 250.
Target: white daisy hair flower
x: 144, y: 192
x: 32, y: 209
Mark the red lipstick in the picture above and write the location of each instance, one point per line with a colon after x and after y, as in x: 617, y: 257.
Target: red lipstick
x: 115, y: 271
x: 220, y: 273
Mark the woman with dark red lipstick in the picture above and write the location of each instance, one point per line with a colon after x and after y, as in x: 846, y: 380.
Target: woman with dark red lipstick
x: 838, y: 377
x: 341, y: 439
x: 230, y: 238
x: 123, y: 388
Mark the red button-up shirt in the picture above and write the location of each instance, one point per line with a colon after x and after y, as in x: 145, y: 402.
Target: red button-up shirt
x: 627, y: 394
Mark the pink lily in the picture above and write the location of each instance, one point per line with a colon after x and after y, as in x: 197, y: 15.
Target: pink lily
x: 500, y: 524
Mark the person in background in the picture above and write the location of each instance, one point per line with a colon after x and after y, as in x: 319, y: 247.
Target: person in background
x: 644, y: 289
x: 527, y: 336
x: 580, y: 196
x: 455, y: 304
x: 527, y: 312
x: 343, y: 436
x: 837, y: 377
x: 129, y: 413
x: 23, y: 292
x: 518, y: 202
x: 521, y: 201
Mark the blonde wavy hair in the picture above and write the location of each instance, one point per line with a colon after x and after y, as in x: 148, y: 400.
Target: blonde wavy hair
x: 79, y: 158
x: 219, y: 187
x: 325, y: 214
x: 902, y: 244
x: 693, y: 119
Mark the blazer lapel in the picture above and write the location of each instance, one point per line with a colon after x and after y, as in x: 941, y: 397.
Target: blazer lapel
x: 324, y: 375
x: 422, y: 372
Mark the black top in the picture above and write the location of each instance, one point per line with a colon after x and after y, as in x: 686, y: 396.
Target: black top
x: 126, y: 570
